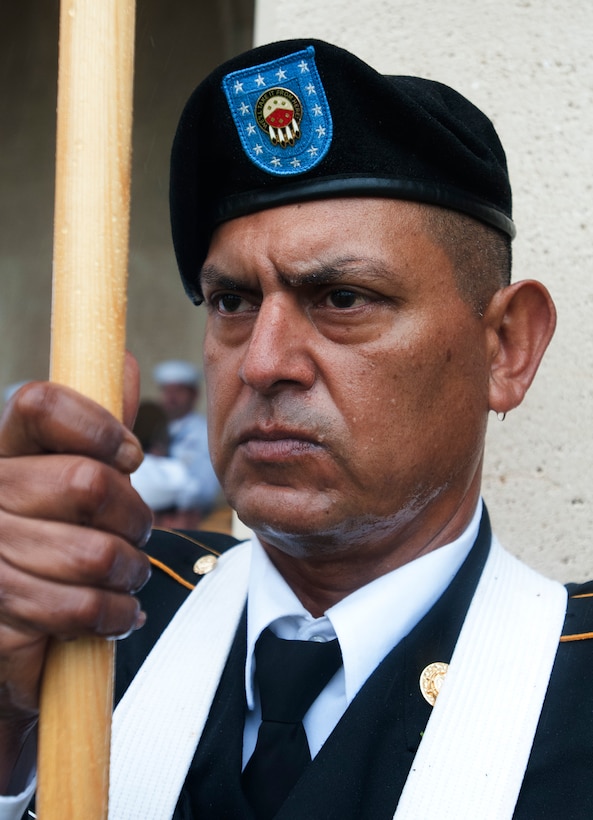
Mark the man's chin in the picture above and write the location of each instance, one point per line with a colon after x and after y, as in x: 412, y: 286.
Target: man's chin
x: 266, y: 523
x: 296, y: 530
x: 280, y: 515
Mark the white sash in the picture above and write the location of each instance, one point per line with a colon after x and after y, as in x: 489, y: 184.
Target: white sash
x: 158, y: 722
x: 475, y: 749
x: 476, y: 745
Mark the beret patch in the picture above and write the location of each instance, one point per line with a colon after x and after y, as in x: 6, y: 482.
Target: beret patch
x: 281, y: 113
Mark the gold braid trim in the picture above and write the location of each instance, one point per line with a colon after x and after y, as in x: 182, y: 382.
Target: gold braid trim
x: 156, y: 563
x: 581, y: 636
x: 170, y: 572
x: 188, y: 538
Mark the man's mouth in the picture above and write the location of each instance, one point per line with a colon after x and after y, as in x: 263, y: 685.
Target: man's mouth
x: 277, y: 444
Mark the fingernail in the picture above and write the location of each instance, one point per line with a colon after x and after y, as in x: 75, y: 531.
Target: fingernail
x: 144, y: 539
x: 129, y: 454
x: 140, y: 620
x: 138, y: 624
x: 147, y: 572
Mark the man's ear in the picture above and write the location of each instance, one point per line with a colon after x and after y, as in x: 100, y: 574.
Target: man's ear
x: 521, y: 319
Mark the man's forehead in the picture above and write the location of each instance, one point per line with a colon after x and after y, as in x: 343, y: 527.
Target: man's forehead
x: 364, y: 241
x: 289, y: 224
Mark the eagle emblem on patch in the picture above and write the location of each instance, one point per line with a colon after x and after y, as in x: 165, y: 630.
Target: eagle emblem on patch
x: 278, y: 113
x: 281, y: 113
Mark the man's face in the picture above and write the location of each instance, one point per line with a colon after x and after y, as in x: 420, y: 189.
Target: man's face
x: 177, y: 400
x: 347, y: 378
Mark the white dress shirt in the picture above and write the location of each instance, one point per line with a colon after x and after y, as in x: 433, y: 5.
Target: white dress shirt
x: 368, y: 624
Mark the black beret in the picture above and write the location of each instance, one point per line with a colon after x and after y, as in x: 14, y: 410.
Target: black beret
x: 301, y: 120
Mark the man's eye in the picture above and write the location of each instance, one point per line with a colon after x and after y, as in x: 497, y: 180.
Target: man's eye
x: 344, y: 298
x: 230, y: 303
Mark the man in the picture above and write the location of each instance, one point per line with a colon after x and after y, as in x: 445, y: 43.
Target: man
x: 349, y: 235
x: 179, y: 390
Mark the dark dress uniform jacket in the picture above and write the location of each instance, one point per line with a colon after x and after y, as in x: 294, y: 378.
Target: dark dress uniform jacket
x: 361, y: 770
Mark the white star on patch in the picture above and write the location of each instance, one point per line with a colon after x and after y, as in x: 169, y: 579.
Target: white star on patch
x: 244, y: 108
x: 312, y: 150
x: 238, y: 87
x: 311, y: 89
x: 296, y: 163
x: 304, y: 66
x: 317, y: 110
x: 258, y: 150
x: 281, y: 74
x: 250, y: 129
x: 259, y: 80
x: 276, y: 162
x: 320, y: 131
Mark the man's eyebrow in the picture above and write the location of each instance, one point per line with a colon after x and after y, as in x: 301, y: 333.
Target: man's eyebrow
x: 212, y: 276
x: 321, y: 275
x: 318, y: 273
x: 327, y: 273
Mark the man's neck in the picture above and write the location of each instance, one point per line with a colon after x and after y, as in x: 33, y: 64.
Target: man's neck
x: 322, y: 580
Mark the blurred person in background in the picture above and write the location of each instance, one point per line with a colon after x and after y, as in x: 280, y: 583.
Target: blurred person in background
x: 163, y: 481
x: 179, y: 385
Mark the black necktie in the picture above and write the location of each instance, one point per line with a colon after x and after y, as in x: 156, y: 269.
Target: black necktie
x: 290, y: 675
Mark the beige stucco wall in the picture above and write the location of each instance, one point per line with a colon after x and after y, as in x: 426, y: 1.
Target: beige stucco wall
x: 529, y: 65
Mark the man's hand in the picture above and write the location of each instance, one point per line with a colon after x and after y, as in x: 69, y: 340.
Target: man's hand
x: 70, y: 525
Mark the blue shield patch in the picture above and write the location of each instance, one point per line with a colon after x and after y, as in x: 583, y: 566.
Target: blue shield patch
x: 281, y: 113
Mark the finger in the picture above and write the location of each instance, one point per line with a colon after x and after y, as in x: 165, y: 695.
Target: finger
x: 45, y: 417
x: 68, y: 555
x: 66, y: 612
x: 22, y: 654
x: 74, y: 490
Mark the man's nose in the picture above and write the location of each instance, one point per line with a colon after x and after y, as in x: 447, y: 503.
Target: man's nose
x: 279, y: 350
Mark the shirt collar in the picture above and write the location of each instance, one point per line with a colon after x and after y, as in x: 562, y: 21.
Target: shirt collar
x: 368, y: 623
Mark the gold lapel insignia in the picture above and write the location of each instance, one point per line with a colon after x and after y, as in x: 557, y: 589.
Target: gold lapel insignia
x: 205, y: 564
x: 431, y: 680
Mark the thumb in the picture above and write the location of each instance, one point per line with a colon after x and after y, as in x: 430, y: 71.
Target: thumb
x: 131, y: 389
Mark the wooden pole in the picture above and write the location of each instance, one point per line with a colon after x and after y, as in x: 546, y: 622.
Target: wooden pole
x: 87, y: 353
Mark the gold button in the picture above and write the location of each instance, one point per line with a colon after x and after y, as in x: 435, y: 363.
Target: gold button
x: 431, y: 680
x: 205, y: 564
